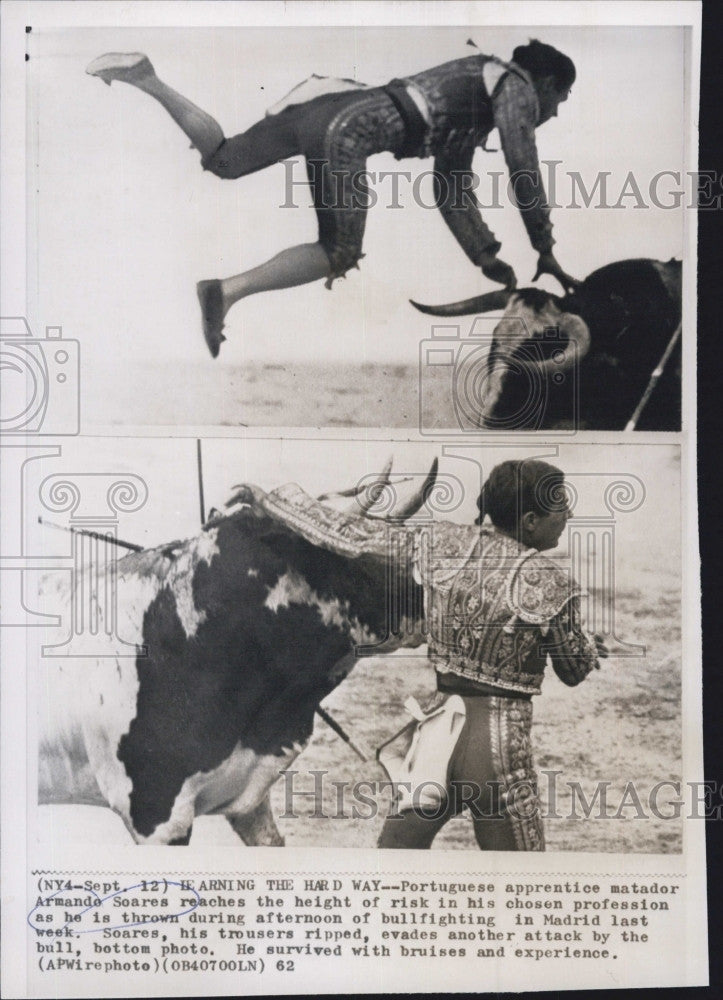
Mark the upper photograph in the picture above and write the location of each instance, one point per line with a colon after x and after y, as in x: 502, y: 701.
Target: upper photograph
x: 447, y: 230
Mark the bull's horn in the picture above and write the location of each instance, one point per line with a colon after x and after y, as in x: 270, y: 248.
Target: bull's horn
x: 489, y: 302
x: 578, y: 344
x: 366, y: 494
x: 413, y: 504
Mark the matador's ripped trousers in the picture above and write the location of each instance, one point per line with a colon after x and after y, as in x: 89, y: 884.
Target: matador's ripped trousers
x: 491, y: 773
x: 336, y: 133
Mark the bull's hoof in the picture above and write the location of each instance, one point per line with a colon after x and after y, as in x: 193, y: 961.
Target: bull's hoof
x: 128, y: 67
x: 211, y: 298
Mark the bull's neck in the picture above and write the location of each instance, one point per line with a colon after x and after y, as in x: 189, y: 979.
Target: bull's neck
x: 377, y: 597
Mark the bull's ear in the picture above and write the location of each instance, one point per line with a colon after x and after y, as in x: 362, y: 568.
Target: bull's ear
x: 489, y: 302
x: 214, y: 515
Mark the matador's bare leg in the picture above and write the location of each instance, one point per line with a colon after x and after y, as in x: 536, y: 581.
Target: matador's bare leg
x: 298, y: 265
x: 135, y: 68
x: 257, y: 828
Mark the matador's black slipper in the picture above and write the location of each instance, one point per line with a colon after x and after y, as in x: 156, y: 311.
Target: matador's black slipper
x: 211, y: 298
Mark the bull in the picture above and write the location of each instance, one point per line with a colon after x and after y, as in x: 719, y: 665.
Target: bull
x: 239, y: 633
x: 583, y: 360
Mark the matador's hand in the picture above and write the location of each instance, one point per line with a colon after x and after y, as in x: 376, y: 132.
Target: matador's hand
x: 602, y: 650
x: 547, y: 264
x: 497, y: 270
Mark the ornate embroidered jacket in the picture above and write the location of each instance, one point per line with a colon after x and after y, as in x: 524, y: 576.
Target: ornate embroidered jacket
x: 466, y: 99
x: 497, y: 610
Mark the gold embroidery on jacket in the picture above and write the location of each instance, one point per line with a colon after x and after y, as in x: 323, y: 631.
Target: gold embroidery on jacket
x: 489, y: 602
x: 510, y: 724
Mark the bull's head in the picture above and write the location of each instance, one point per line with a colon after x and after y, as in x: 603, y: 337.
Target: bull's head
x: 626, y: 310
x: 396, y: 584
x: 536, y: 338
x: 369, y: 576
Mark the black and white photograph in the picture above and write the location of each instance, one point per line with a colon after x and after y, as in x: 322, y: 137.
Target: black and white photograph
x: 527, y: 188
x: 251, y: 667
x: 349, y: 550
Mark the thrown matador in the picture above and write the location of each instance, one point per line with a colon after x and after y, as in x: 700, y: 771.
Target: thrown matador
x: 445, y: 112
x: 496, y: 610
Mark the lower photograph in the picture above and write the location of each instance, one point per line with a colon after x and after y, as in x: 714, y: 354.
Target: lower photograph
x: 324, y: 642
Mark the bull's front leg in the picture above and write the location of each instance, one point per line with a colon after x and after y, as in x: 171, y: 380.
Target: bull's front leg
x: 258, y: 827
x: 182, y: 841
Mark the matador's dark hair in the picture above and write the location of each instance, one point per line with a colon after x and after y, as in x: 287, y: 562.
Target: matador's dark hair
x: 515, y: 487
x: 544, y: 60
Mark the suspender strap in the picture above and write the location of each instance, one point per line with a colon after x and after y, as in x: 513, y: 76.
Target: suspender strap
x: 415, y: 127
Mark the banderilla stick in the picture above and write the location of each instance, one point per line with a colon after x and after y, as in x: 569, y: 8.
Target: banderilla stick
x: 654, y: 379
x: 199, y: 465
x: 91, y: 534
x: 363, y: 754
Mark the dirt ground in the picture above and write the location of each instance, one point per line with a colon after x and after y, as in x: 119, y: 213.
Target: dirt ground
x: 262, y: 395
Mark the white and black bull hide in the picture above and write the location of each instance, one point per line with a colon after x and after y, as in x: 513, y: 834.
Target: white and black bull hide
x: 583, y: 360
x: 239, y: 634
